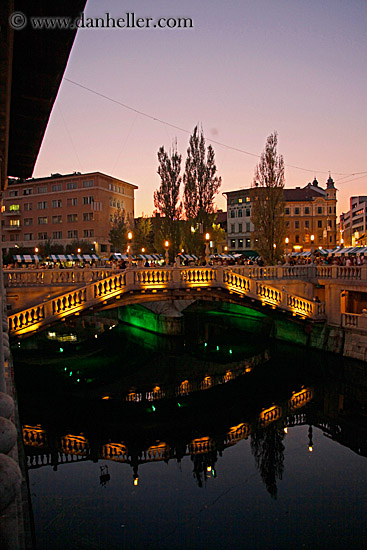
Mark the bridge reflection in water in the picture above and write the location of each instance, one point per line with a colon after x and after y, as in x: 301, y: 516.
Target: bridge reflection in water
x: 198, y: 407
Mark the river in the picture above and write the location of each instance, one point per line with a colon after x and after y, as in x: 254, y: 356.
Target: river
x: 222, y: 438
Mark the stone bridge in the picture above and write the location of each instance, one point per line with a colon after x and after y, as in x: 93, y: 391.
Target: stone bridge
x: 102, y: 289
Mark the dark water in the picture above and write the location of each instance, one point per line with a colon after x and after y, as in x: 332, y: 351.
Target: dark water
x: 271, y: 454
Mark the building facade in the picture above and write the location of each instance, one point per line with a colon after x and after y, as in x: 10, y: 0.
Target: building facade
x: 308, y: 211
x: 353, y: 224
x: 64, y: 208
x: 239, y: 226
x: 311, y: 210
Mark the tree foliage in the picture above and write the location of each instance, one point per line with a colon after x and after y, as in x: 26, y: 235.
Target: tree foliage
x: 143, y: 236
x: 200, y: 181
x: 166, y: 198
x: 201, y: 184
x: 268, y: 450
x: 120, y: 226
x: 268, y: 203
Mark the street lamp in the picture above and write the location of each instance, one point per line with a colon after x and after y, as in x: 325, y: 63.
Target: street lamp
x: 130, y: 238
x: 166, y: 244
x: 286, y: 250
x: 207, y: 239
x: 312, y: 251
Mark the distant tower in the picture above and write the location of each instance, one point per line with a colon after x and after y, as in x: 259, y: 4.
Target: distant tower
x: 331, y: 211
x: 331, y: 189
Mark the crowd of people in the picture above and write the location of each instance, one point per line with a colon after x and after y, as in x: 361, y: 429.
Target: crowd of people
x: 121, y: 264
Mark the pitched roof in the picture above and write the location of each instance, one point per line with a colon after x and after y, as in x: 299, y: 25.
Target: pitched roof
x: 305, y: 194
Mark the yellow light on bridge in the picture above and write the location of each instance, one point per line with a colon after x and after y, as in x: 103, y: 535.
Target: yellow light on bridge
x: 136, y: 481
x: 310, y: 449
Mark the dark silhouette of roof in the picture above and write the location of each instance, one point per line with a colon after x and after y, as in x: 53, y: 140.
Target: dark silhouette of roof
x: 33, y: 64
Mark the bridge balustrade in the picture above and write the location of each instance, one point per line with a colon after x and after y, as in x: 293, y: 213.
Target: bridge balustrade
x: 115, y: 451
x: 48, y: 277
x: 349, y: 273
x: 354, y: 320
x: 31, y: 317
x: 202, y: 445
x: 112, y: 284
x: 198, y: 275
x: 131, y: 280
x: 152, y: 277
x: 157, y: 452
x: 301, y: 398
x: 236, y: 280
x: 34, y: 436
x: 270, y: 415
x: 269, y: 294
x: 242, y: 431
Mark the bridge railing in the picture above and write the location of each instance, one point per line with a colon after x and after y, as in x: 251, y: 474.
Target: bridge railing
x: 130, y: 280
x: 306, y: 272
x: 50, y: 277
x: 273, y: 296
x: 355, y: 321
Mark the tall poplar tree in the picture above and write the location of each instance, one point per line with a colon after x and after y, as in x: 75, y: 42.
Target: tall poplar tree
x: 267, y: 213
x: 166, y: 198
x: 201, y: 184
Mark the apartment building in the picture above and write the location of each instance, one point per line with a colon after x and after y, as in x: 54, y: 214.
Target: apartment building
x: 310, y: 210
x: 239, y: 226
x: 353, y: 224
x: 64, y: 208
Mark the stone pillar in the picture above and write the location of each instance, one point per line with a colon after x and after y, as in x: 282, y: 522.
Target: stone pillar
x: 333, y: 304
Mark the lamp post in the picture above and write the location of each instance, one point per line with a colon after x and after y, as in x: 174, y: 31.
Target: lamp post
x: 166, y: 244
x: 286, y: 251
x: 130, y: 238
x: 312, y: 251
x: 207, y: 239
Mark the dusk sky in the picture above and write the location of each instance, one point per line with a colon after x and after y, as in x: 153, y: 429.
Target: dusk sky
x: 245, y: 69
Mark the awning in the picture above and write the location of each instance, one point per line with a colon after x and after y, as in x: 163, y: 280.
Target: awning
x: 343, y: 251
x: 225, y: 256
x: 191, y: 257
x: 27, y: 258
x: 149, y: 257
x: 61, y: 257
x: 359, y: 250
x: 118, y: 256
x: 86, y: 257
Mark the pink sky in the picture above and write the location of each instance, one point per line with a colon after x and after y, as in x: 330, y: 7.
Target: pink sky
x: 244, y: 70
